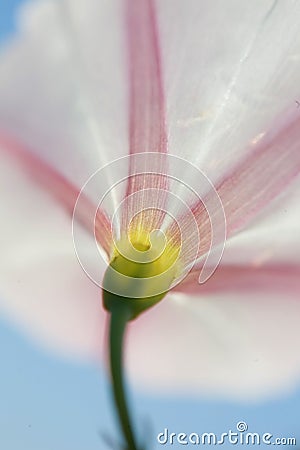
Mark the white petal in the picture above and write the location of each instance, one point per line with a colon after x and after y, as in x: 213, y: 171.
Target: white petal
x: 42, y: 286
x: 273, y: 237
x: 62, y: 85
x: 230, y: 70
x: 237, y: 346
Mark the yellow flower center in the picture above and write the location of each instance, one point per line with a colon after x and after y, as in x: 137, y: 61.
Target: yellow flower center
x: 141, y: 271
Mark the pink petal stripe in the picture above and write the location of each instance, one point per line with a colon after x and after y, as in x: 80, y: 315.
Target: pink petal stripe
x: 59, y: 187
x: 147, y: 123
x: 263, y: 174
x: 147, y: 115
x: 235, y: 279
x: 270, y: 166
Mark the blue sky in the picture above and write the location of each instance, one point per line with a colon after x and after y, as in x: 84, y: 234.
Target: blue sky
x: 47, y: 403
x: 51, y: 404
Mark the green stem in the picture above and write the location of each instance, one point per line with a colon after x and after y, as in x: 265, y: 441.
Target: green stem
x: 118, y: 321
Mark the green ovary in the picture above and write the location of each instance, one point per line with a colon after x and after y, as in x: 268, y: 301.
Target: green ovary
x: 141, y: 272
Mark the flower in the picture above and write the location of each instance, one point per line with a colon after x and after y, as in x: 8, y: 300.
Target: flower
x: 214, y: 86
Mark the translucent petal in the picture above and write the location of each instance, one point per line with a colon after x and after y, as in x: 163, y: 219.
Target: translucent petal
x: 57, y: 95
x: 273, y: 237
x: 236, y: 336
x: 229, y: 73
x: 42, y: 286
